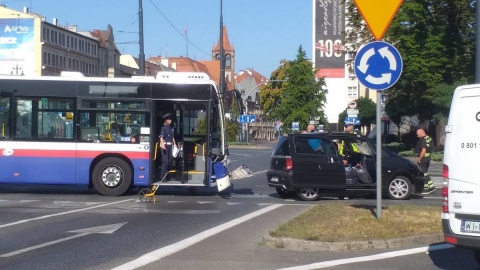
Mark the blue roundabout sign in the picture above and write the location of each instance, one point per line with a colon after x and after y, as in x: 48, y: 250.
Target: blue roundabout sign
x: 378, y: 65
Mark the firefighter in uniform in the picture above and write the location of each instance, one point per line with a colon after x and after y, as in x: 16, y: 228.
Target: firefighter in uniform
x: 342, y: 148
x: 167, y: 141
x: 423, y: 149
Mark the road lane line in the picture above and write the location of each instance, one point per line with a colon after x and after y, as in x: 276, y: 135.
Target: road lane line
x: 375, y: 257
x: 106, y: 229
x: 185, y: 243
x: 259, y: 172
x: 60, y: 214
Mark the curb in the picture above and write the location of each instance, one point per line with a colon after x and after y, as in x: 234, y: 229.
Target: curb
x: 250, y: 147
x: 295, y: 244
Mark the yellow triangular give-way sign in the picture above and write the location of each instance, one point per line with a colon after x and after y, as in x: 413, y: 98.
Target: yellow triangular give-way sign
x: 378, y: 14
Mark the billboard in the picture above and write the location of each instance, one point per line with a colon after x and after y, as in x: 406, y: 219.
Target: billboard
x: 328, y: 31
x: 17, y: 48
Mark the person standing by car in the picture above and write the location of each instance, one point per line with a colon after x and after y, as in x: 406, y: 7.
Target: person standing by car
x: 310, y: 128
x: 167, y: 141
x: 423, y: 150
x: 343, y: 148
x: 349, y: 128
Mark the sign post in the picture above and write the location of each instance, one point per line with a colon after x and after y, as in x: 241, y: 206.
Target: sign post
x: 378, y: 66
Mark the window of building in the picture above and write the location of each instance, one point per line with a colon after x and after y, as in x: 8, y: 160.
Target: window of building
x: 352, y: 91
x: 228, y: 61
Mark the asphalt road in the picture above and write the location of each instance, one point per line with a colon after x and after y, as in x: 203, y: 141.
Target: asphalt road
x: 60, y: 227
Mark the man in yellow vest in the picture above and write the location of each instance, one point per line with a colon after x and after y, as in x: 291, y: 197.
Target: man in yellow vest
x: 342, y: 148
x: 349, y: 128
x: 424, y: 149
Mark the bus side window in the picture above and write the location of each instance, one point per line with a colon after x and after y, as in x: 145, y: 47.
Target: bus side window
x: 4, y: 117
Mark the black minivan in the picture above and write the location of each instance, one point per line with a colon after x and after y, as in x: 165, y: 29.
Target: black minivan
x: 338, y: 163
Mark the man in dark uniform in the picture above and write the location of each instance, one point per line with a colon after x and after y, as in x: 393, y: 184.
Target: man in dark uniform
x: 423, y: 150
x: 167, y: 141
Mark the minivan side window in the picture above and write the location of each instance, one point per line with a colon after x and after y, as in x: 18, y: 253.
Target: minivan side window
x: 314, y: 146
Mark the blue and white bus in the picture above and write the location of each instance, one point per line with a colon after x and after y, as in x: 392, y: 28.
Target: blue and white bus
x: 103, y: 132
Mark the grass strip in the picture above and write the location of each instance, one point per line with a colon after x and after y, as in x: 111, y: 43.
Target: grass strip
x: 337, y: 222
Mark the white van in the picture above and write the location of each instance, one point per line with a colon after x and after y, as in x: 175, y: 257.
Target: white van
x: 461, y: 180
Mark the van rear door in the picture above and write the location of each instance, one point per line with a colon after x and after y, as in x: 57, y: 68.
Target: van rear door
x: 461, y: 157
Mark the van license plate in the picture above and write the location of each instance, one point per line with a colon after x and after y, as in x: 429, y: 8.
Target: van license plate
x: 470, y: 226
x: 274, y: 179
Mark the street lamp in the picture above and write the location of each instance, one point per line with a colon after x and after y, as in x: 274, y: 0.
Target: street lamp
x: 245, y: 103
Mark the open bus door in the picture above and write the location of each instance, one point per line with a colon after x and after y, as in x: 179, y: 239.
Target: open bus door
x: 191, y: 167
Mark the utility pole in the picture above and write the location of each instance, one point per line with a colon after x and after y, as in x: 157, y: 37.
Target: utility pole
x: 140, y: 35
x: 222, y: 54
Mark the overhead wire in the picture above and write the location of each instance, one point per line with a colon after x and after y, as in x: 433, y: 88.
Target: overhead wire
x: 178, y: 31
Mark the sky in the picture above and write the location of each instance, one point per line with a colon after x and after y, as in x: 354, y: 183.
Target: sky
x: 263, y: 32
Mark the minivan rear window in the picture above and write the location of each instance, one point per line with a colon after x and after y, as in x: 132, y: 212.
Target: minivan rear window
x: 282, y: 148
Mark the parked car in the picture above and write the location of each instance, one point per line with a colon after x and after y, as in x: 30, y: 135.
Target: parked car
x: 311, y: 164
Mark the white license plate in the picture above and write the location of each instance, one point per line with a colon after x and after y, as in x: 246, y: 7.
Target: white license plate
x: 470, y: 226
x: 274, y: 179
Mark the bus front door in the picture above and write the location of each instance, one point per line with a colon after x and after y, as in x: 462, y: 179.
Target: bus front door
x: 189, y: 122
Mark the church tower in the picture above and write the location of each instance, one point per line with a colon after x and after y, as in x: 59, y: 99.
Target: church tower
x: 229, y: 58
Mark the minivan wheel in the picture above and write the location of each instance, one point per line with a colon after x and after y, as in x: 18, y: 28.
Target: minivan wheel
x: 476, y: 254
x: 283, y: 192
x: 399, y: 188
x: 308, y: 194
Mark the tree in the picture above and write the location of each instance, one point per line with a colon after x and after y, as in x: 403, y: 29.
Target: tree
x: 270, y: 94
x: 232, y: 125
x: 436, y: 39
x: 299, y: 98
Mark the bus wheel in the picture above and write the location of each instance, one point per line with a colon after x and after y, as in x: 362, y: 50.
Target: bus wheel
x: 112, y: 176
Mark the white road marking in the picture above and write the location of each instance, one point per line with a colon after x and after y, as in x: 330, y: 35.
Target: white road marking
x: 10, y: 202
x: 106, y: 229
x: 375, y: 257
x: 60, y: 214
x: 205, y: 202
x: 185, y: 243
x: 259, y: 172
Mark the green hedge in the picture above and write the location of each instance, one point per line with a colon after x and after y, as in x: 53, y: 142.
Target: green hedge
x: 402, y: 150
